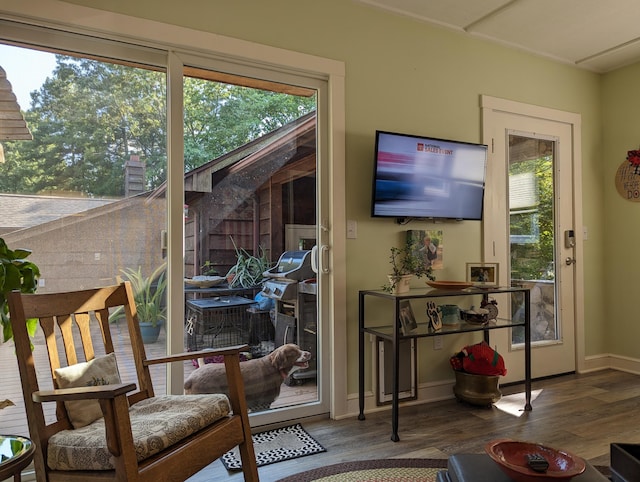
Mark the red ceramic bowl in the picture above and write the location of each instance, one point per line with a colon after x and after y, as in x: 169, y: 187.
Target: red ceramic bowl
x: 511, y: 456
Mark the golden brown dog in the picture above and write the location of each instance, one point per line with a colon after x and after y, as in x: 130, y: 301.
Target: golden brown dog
x: 262, y: 377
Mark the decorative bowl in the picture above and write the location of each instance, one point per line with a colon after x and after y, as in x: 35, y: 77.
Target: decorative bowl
x: 204, y: 281
x: 511, y: 456
x: 449, y: 285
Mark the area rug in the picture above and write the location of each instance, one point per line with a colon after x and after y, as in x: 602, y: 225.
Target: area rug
x: 383, y: 470
x: 414, y: 470
x: 275, y: 446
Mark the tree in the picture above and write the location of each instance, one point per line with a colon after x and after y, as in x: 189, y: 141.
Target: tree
x: 89, y: 117
x: 532, y: 260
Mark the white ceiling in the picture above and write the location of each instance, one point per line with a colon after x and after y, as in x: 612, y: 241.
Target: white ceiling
x: 596, y: 35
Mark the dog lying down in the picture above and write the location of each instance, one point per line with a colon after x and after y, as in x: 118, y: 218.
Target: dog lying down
x: 262, y: 377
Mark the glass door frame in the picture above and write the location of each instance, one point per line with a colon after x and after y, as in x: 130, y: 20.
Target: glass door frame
x: 331, y: 135
x: 494, y: 242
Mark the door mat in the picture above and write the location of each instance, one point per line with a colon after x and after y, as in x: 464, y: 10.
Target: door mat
x: 273, y: 446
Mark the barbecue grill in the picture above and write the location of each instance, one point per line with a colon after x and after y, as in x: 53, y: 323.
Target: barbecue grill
x: 291, y: 283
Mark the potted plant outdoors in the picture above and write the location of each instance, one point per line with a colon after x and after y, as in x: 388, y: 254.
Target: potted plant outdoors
x: 404, y: 266
x: 208, y: 269
x: 148, y: 293
x: 249, y: 269
x: 16, y: 273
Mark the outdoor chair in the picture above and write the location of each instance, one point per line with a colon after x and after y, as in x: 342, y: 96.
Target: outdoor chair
x: 107, y: 430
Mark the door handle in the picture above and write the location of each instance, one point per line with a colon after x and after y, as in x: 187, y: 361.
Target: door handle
x: 569, y: 261
x: 314, y: 258
x: 324, y: 259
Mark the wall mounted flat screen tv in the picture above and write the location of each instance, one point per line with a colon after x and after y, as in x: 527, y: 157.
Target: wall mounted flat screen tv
x: 423, y: 177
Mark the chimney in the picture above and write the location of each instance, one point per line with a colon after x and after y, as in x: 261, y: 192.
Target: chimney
x: 133, y: 176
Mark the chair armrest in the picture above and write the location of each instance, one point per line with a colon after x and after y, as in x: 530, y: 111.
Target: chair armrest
x: 83, y: 393
x: 191, y: 355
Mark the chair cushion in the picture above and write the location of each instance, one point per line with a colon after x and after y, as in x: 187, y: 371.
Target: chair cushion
x: 156, y: 423
x: 102, y: 370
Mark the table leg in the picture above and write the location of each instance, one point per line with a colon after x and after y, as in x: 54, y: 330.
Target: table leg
x: 361, y: 357
x: 396, y: 375
x: 527, y: 351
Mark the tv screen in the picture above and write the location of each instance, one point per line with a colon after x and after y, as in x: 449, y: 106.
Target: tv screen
x: 423, y: 177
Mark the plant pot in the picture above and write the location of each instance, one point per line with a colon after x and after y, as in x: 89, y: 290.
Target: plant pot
x: 149, y: 332
x: 477, y: 389
x: 400, y: 284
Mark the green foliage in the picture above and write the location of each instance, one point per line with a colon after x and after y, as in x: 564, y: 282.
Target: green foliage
x: 16, y: 273
x: 248, y: 269
x: 403, y: 261
x: 89, y: 117
x: 534, y: 260
x: 148, y: 293
x: 208, y: 269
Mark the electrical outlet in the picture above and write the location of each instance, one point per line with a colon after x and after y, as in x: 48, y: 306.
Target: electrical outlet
x: 437, y: 343
x: 352, y: 229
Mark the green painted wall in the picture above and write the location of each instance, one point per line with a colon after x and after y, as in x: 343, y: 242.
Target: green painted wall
x: 621, y: 226
x: 404, y: 75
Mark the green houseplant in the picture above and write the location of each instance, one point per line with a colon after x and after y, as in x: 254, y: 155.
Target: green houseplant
x: 149, y: 295
x: 16, y: 273
x: 404, y: 265
x: 248, y: 270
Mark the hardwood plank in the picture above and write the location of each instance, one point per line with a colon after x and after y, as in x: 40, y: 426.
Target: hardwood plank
x: 580, y: 413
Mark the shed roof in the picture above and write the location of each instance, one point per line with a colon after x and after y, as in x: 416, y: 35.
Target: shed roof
x: 21, y: 211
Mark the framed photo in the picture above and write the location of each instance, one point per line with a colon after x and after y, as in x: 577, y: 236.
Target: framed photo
x: 482, y: 274
x: 428, y: 246
x: 407, y: 318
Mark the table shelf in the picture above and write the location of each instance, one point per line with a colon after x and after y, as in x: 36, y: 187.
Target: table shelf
x: 393, y: 333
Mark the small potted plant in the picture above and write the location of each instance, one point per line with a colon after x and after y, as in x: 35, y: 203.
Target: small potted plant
x: 148, y: 293
x: 208, y: 269
x: 404, y: 266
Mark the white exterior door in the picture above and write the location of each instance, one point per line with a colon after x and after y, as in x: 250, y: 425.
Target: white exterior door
x: 532, y: 229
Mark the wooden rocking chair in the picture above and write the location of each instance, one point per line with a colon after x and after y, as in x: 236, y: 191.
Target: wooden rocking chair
x: 111, y: 430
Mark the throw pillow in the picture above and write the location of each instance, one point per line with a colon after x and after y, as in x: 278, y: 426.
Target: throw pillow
x: 102, y: 370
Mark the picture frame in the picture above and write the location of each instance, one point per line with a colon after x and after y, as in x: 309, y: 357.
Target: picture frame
x: 483, y: 274
x: 407, y: 319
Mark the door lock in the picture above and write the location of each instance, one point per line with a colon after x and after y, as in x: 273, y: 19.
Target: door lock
x: 569, y: 261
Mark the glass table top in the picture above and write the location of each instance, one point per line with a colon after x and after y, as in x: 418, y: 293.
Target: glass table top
x: 13, y: 447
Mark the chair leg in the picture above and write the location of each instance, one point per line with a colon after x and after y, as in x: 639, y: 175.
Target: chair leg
x: 249, y: 466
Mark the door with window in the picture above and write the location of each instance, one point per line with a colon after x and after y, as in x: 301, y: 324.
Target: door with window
x: 530, y: 230
x: 247, y: 183
x: 251, y: 218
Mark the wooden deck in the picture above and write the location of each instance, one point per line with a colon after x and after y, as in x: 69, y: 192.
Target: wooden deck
x: 13, y: 419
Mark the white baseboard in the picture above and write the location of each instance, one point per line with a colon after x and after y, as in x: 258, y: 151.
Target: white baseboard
x: 443, y: 390
x: 609, y: 360
x: 427, y: 392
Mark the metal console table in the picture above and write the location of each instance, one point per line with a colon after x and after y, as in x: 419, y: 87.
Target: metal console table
x: 393, y: 333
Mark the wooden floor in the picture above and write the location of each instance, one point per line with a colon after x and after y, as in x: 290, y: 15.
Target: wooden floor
x: 579, y: 413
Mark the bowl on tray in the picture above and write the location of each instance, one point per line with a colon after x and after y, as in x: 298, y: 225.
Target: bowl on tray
x: 204, y: 281
x: 516, y: 459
